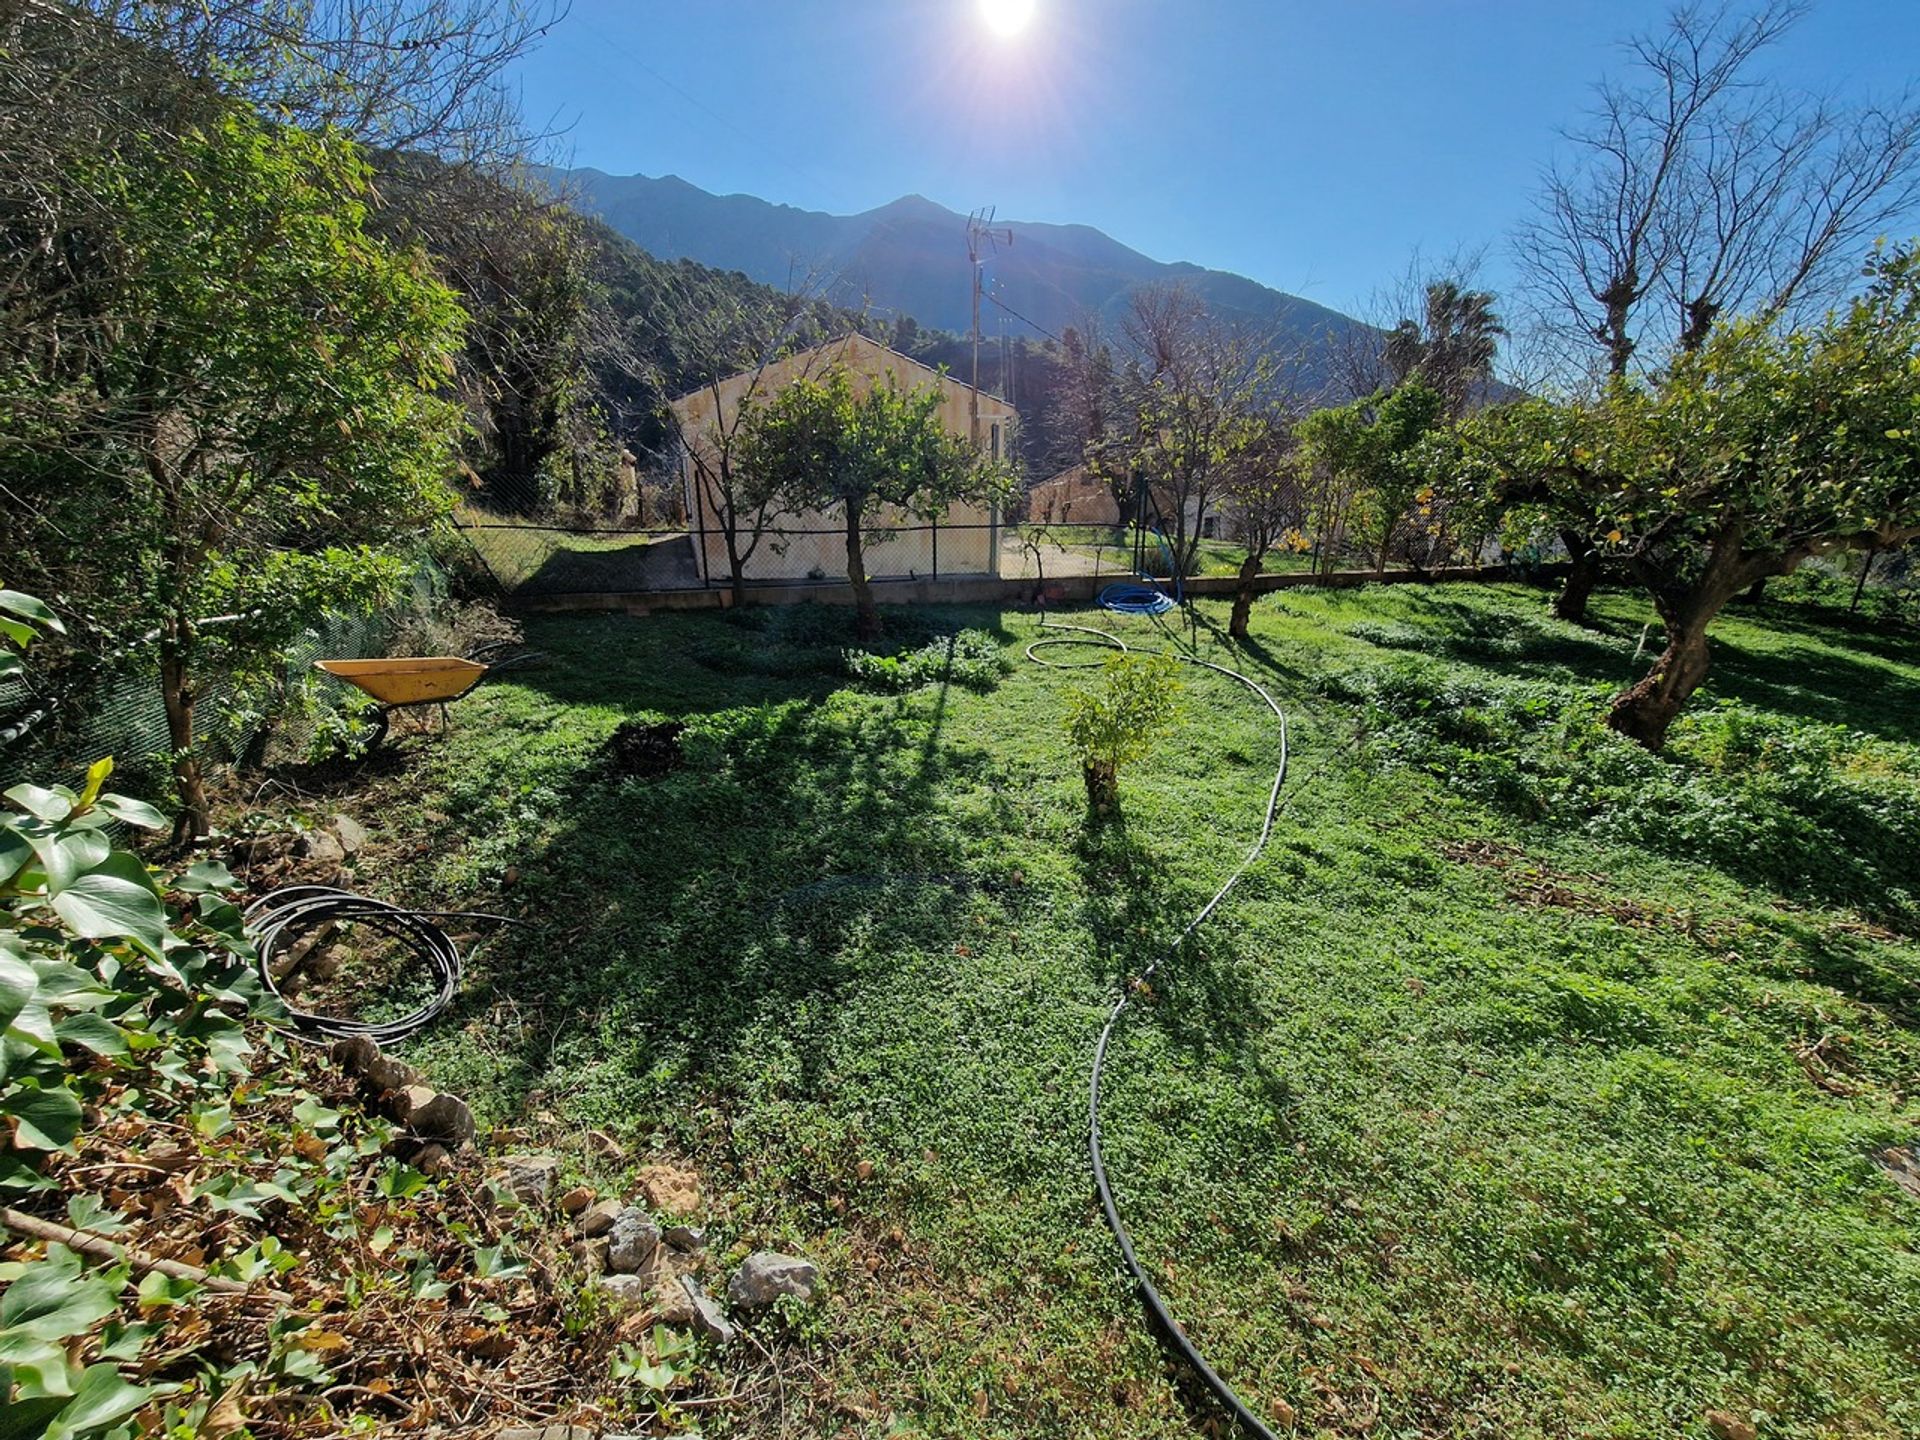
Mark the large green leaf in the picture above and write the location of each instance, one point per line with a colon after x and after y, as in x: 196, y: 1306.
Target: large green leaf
x: 39, y: 1366
x: 129, y: 811
x: 101, y: 1400
x: 15, y: 851
x: 93, y: 1032
x: 43, y: 1119
x: 29, y: 607
x: 27, y: 1419
x: 42, y: 803
x: 10, y: 665
x: 113, y: 899
x: 17, y: 984
x: 205, y: 875
x: 56, y: 1299
x: 66, y: 854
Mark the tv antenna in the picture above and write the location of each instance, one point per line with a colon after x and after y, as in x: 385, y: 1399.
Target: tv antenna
x: 982, y: 240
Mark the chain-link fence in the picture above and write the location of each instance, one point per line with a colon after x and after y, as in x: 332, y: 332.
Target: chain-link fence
x: 110, y: 704
x: 535, y: 558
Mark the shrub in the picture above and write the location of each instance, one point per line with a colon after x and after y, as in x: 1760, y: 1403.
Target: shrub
x: 969, y: 658
x: 1117, y: 724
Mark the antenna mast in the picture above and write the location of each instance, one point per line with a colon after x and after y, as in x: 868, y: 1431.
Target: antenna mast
x: 982, y: 240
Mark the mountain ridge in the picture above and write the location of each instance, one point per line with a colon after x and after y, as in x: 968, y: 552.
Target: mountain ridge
x: 908, y: 258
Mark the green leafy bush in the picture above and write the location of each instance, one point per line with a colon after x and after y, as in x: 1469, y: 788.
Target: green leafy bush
x: 111, y: 1000
x: 969, y: 658
x: 1117, y: 724
x: 1805, y: 807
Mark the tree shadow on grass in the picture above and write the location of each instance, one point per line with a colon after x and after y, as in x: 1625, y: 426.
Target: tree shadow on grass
x: 1818, y: 684
x: 800, y: 843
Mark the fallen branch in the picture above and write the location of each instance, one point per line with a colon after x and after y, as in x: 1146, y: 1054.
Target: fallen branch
x: 87, y: 1243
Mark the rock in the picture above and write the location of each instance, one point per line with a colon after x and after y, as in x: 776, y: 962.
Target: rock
x: 355, y: 1053
x: 605, y: 1146
x: 688, y: 1239
x: 592, y: 1255
x: 632, y: 1241
x: 433, y: 1160
x: 1727, y: 1426
x: 328, y: 963
x: 544, y: 1432
x: 1283, y: 1414
x: 670, y: 1189
x: 576, y: 1200
x: 598, y: 1218
x: 707, y: 1316
x: 1902, y: 1164
x: 766, y: 1275
x: 254, y: 849
x: 386, y: 1073
x: 324, y: 846
x: 670, y: 1303
x: 864, y: 1170
x: 350, y: 832
x: 629, y: 1292
x: 445, y: 1119
x: 409, y: 1098
x: 529, y: 1178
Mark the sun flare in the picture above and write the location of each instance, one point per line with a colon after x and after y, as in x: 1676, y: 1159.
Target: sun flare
x: 1006, y: 18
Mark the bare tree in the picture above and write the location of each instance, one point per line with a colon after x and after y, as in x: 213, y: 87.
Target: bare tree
x: 425, y: 75
x: 1185, y: 397
x: 1701, y: 188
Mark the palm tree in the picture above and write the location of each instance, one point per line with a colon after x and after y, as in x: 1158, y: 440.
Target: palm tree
x: 1452, y: 347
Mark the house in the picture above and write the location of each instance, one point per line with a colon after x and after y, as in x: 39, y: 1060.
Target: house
x: 1075, y: 497
x: 810, y: 544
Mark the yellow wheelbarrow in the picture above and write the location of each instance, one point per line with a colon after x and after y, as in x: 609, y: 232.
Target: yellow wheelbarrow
x: 404, y: 682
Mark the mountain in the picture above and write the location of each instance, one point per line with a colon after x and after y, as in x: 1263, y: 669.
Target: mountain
x: 909, y: 258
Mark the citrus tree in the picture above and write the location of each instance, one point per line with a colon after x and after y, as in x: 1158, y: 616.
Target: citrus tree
x: 1748, y: 457
x: 245, y: 420
x: 822, y: 444
x: 1371, y: 445
x: 1118, y: 723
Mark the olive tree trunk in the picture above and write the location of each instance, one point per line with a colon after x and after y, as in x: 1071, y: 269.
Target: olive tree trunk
x: 1103, y: 786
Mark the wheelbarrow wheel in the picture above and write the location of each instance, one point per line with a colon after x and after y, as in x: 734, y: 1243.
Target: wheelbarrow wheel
x: 377, y: 729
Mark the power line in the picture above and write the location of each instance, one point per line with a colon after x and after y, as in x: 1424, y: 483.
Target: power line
x: 1018, y: 316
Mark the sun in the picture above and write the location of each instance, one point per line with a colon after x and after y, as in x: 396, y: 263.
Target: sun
x: 1006, y: 18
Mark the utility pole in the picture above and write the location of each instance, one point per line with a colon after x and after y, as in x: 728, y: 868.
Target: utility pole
x: 982, y: 239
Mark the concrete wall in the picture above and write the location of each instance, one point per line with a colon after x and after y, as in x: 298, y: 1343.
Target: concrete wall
x: 800, y: 556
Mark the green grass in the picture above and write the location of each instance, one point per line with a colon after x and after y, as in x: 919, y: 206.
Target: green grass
x: 1486, y: 1107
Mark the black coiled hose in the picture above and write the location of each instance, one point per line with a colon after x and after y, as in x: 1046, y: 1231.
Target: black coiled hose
x: 1189, y: 1352
x: 281, y: 918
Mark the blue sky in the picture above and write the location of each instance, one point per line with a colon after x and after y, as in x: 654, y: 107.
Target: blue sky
x: 1309, y: 144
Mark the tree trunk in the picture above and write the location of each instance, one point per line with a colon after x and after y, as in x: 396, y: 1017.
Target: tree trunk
x: 1860, y: 585
x: 867, y: 614
x: 1103, y: 786
x: 176, y: 694
x: 1645, y: 711
x: 1583, y: 573
x: 1243, y: 598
